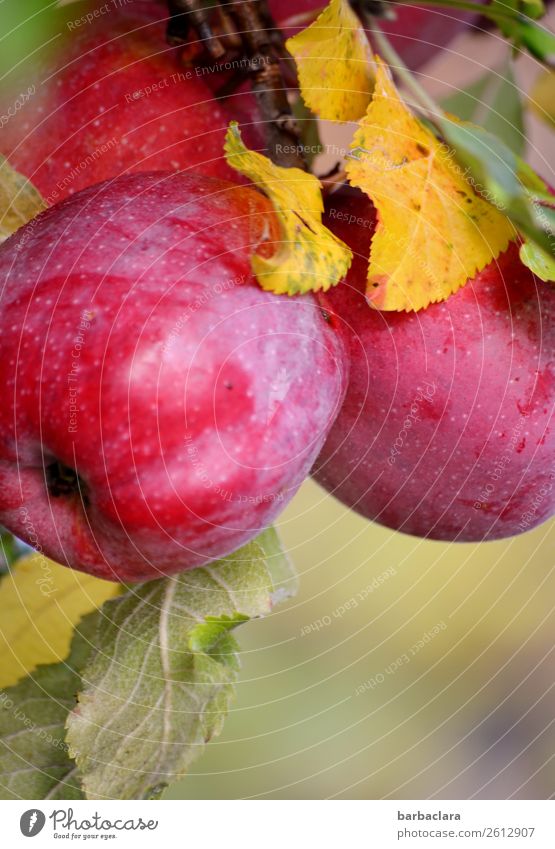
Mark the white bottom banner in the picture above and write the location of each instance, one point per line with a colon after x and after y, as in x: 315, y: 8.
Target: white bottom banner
x: 246, y: 824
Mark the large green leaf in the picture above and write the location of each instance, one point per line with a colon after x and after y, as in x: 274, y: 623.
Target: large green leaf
x: 159, y: 683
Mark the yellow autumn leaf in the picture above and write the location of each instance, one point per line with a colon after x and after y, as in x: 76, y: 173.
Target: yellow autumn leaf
x: 434, y: 232
x: 309, y: 258
x: 19, y: 200
x: 40, y: 604
x: 334, y: 64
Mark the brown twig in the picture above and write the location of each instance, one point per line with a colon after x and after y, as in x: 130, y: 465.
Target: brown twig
x: 248, y: 31
x: 187, y: 14
x: 282, y: 134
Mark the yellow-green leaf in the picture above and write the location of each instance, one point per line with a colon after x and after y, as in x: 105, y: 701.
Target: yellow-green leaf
x: 40, y: 604
x: 334, y: 64
x: 309, y: 257
x: 539, y: 261
x: 434, y: 232
x: 19, y: 200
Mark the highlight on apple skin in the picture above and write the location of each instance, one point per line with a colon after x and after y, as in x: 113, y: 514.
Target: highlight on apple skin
x: 159, y: 408
x: 447, y: 430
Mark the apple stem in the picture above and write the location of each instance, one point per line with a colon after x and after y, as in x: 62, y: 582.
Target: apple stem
x: 185, y: 14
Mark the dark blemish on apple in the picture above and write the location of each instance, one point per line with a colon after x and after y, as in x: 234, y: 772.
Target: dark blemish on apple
x: 63, y: 481
x: 228, y: 384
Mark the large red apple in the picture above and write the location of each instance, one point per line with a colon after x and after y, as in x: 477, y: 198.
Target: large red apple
x: 115, y: 98
x: 158, y: 408
x: 446, y: 430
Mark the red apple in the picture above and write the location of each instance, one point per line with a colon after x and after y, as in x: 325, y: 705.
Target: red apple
x: 446, y: 430
x: 417, y: 33
x: 159, y: 408
x: 115, y: 98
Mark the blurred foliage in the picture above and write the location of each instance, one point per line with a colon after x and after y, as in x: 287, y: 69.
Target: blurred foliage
x: 542, y: 97
x: 30, y: 30
x: 470, y: 713
x: 11, y: 549
x: 493, y: 101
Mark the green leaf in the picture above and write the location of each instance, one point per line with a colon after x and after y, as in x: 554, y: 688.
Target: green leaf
x: 539, y: 41
x: 493, y: 102
x: 534, y: 8
x: 530, y: 8
x: 34, y: 762
x: 161, y: 679
x: 208, y: 635
x: 11, y: 549
x: 538, y: 261
x: 505, y: 180
x: 19, y: 200
x: 521, y: 29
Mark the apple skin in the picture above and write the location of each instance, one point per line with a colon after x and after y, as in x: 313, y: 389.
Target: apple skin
x: 416, y: 33
x: 190, y: 403
x: 112, y: 102
x: 446, y: 431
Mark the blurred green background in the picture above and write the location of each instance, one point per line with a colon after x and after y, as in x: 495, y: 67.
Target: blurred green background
x: 469, y: 715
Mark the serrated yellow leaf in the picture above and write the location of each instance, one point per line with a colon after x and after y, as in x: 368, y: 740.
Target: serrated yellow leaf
x: 19, y: 200
x: 40, y: 604
x: 334, y: 64
x: 309, y: 257
x: 434, y: 232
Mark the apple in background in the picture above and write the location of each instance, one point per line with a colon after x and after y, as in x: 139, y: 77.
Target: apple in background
x: 159, y: 408
x: 115, y: 98
x: 446, y: 431
x: 417, y: 33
